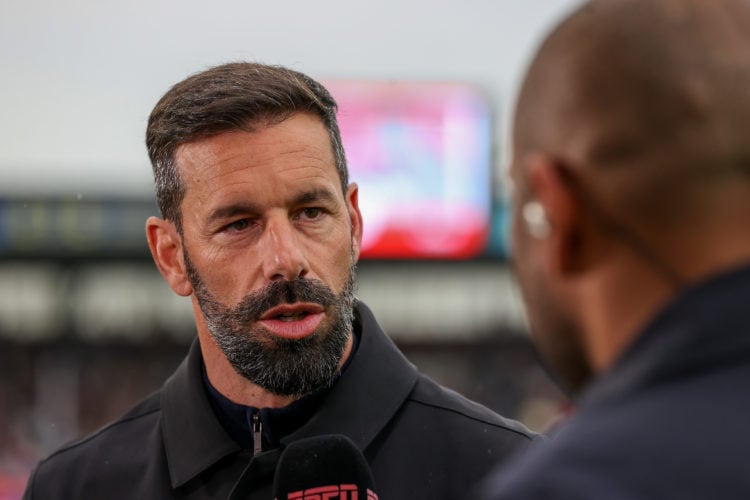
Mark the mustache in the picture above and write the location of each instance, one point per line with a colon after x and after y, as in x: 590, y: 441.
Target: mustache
x: 255, y: 304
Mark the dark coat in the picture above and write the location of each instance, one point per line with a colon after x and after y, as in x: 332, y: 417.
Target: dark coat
x: 421, y: 440
x: 668, y: 421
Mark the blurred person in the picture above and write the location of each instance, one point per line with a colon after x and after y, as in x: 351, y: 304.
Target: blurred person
x: 631, y: 239
x: 261, y: 229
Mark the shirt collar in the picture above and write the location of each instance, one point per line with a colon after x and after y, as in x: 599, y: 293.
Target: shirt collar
x: 194, y: 439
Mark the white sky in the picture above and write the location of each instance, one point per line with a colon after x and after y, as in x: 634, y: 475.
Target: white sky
x: 79, y: 77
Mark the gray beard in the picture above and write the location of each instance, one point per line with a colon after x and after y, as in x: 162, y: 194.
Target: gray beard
x: 287, y: 367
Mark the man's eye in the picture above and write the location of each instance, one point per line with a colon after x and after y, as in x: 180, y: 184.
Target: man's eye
x: 238, y: 225
x: 312, y: 213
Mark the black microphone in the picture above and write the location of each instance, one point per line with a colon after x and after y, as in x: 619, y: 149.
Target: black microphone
x: 321, y: 468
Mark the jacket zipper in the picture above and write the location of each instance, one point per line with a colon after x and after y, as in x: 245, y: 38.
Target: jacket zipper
x: 257, y: 434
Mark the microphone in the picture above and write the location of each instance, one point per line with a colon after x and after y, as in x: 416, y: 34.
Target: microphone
x: 322, y: 468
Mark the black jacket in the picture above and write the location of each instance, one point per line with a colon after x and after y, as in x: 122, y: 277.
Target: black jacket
x: 422, y: 441
x: 668, y: 421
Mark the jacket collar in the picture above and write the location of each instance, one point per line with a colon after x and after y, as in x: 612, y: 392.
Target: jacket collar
x: 363, y: 400
x: 369, y: 393
x: 193, y: 437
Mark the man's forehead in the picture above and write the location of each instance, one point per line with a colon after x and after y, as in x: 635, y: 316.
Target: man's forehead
x: 303, y: 140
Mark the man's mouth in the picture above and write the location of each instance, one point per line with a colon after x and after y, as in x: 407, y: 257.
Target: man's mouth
x: 291, y: 316
x: 293, y: 321
x: 292, y: 312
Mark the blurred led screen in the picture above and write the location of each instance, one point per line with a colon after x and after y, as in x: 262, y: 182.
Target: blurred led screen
x: 421, y: 154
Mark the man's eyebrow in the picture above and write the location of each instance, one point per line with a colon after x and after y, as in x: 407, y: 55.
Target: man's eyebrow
x: 233, y: 210
x: 313, y: 195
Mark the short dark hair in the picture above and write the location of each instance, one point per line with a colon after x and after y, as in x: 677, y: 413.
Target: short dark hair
x: 230, y: 97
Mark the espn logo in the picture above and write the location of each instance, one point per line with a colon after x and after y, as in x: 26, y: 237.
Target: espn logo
x: 340, y: 492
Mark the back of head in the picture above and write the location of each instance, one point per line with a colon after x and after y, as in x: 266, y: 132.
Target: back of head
x: 231, y: 97
x: 632, y: 170
x: 648, y: 102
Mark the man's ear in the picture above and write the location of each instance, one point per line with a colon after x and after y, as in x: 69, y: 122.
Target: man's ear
x: 559, y: 213
x: 355, y: 218
x: 165, y: 244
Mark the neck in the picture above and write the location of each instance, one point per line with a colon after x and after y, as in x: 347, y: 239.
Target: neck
x: 628, y: 290
x: 618, y: 303
x: 617, y: 309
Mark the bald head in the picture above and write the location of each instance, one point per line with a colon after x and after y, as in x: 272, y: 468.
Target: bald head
x: 648, y: 99
x: 632, y: 168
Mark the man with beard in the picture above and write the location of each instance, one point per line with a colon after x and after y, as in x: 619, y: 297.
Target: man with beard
x: 631, y: 236
x: 262, y: 229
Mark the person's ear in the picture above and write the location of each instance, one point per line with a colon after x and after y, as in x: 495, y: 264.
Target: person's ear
x: 165, y: 244
x: 554, y: 215
x: 355, y: 218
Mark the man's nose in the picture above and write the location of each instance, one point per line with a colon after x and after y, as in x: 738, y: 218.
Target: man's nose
x: 283, y: 255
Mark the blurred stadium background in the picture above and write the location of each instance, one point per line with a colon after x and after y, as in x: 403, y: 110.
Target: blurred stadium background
x: 87, y: 326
